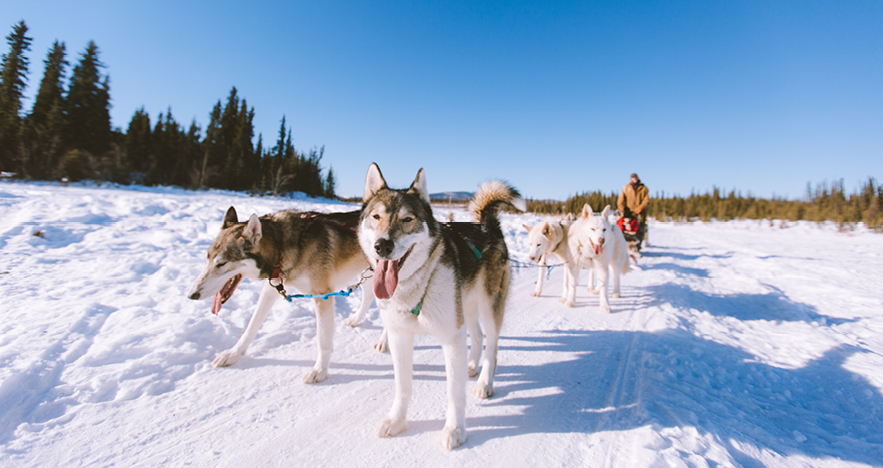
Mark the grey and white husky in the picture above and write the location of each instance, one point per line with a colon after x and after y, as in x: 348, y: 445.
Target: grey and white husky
x: 437, y: 278
x: 316, y: 253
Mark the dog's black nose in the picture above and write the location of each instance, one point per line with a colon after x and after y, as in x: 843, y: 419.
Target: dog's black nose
x: 194, y: 296
x: 383, y: 247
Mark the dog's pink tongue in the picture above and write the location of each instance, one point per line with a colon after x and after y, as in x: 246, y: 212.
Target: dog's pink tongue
x: 216, y: 303
x: 386, y: 278
x: 598, y: 250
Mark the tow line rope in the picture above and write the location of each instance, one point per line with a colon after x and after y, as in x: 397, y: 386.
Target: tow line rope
x: 280, y: 287
x: 548, y: 268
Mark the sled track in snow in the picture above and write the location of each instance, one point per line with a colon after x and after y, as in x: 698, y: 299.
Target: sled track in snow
x: 624, y: 374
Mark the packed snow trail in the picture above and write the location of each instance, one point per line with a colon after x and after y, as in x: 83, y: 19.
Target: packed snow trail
x: 734, y: 344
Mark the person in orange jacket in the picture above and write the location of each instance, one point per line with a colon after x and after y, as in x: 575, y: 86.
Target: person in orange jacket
x: 633, y: 200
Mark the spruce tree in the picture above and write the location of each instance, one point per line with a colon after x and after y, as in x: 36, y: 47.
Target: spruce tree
x: 329, y: 184
x: 139, y: 152
x: 88, y: 122
x: 13, y: 79
x: 41, y: 130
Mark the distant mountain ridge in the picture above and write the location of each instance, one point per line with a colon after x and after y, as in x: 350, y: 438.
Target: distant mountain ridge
x: 453, y: 196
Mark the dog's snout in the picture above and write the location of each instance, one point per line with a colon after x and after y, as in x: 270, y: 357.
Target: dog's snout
x: 383, y: 247
x: 194, y: 296
x: 600, y: 241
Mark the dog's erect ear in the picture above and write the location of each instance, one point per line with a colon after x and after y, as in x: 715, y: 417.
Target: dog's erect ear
x: 373, y: 181
x: 569, y: 217
x: 230, y: 218
x: 526, y: 228
x: 605, y: 212
x: 419, y: 186
x: 547, y: 230
x: 587, y: 211
x: 252, y: 231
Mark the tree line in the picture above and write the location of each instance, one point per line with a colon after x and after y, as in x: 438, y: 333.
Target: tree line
x: 822, y: 203
x: 67, y: 134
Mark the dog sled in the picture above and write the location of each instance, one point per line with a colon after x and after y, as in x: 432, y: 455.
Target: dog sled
x: 634, y: 231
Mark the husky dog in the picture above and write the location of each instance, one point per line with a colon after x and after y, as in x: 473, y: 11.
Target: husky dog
x: 432, y: 278
x: 548, y: 239
x: 597, y: 244
x: 313, y: 252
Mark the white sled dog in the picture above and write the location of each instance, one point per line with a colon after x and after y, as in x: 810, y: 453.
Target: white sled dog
x: 548, y: 241
x: 435, y: 278
x: 315, y: 253
x: 597, y: 244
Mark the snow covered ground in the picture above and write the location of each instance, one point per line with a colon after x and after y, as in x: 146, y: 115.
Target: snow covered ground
x: 734, y: 344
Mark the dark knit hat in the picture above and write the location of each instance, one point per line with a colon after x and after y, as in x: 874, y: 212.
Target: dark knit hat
x: 635, y: 176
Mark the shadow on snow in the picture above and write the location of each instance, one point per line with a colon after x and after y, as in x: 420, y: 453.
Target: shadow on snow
x: 624, y: 380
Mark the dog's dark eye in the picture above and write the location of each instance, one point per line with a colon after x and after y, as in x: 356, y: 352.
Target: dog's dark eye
x: 220, y: 264
x: 377, y: 217
x: 407, y: 219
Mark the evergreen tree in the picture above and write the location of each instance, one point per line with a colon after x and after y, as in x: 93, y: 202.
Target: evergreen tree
x: 41, y: 131
x: 139, y: 152
x: 13, y: 79
x: 88, y: 104
x: 194, y: 158
x: 329, y: 184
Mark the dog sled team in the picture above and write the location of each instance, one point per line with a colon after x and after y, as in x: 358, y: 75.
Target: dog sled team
x: 429, y: 277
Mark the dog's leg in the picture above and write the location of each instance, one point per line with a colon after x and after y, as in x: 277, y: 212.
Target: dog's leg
x: 382, y: 344
x: 565, y: 282
x: 603, y: 273
x: 591, y: 286
x: 540, y: 277
x: 475, y: 342
x: 484, y: 388
x: 401, y: 347
x: 616, y: 276
x: 572, y: 280
x: 324, y: 340
x: 265, y: 303
x: 356, y: 318
x: 454, y: 433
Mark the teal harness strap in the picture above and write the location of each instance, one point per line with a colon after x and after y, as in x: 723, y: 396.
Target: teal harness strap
x: 474, y: 250
x: 416, y: 309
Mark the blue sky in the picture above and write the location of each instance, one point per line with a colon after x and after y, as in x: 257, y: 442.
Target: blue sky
x: 555, y: 97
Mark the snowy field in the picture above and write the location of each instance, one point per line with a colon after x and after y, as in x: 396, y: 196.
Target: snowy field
x: 734, y: 344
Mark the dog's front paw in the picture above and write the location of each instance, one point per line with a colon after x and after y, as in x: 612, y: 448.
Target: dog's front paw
x: 483, y: 391
x: 315, y: 376
x: 227, y: 358
x: 605, y: 309
x: 472, y: 369
x: 353, y: 321
x: 452, y: 437
x: 535, y: 293
x: 616, y: 296
x: 390, y: 427
x: 382, y: 345
x: 595, y: 291
x: 568, y: 303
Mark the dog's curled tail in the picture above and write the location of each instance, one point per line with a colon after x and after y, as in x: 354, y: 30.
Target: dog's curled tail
x: 489, y: 200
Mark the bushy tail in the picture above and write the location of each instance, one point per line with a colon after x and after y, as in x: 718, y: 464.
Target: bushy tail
x: 489, y: 200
